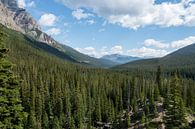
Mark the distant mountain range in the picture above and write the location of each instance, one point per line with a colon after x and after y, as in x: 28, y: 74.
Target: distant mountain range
x: 182, y: 59
x: 120, y: 59
x: 15, y: 18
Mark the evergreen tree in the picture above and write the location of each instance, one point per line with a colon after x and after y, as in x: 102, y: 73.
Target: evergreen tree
x: 175, y: 112
x: 56, y: 124
x: 159, y: 79
x: 32, y: 124
x: 64, y: 95
x: 12, y: 115
x: 97, y: 111
x: 45, y: 121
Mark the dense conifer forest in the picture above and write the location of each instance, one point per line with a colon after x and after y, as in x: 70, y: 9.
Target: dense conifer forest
x: 50, y: 93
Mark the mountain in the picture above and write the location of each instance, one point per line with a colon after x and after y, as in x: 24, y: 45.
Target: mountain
x: 120, y: 59
x: 182, y: 59
x: 20, y: 20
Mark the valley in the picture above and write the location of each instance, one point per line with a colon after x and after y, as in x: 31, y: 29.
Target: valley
x: 48, y: 85
x: 71, y: 95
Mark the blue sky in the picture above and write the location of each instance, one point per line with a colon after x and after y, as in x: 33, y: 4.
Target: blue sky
x: 146, y: 28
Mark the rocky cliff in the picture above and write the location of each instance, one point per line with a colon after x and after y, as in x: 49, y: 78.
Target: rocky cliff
x: 18, y: 19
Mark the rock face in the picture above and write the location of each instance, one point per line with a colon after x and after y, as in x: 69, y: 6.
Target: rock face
x: 18, y: 19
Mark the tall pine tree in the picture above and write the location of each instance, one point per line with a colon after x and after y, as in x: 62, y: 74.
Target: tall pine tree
x: 11, y: 110
x: 175, y: 111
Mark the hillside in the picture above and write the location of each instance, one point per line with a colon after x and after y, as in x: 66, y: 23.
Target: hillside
x: 182, y: 59
x: 48, y: 85
x: 85, y: 59
x: 55, y: 92
x: 20, y: 20
x: 70, y: 54
x: 59, y: 94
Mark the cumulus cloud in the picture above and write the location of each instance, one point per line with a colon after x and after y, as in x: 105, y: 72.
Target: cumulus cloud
x: 117, y: 50
x: 160, y: 49
x: 147, y: 52
x: 26, y: 3
x: 90, y: 22
x: 150, y: 48
x: 172, y: 45
x: 53, y: 31
x: 155, y: 43
x: 182, y: 43
x: 139, y: 13
x: 47, y: 19
x: 31, y: 4
x: 80, y: 14
x: 91, y: 51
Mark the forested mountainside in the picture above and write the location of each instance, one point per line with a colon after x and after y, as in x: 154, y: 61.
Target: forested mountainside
x: 52, y: 86
x: 20, y: 20
x: 69, y: 55
x: 56, y: 94
x: 182, y: 60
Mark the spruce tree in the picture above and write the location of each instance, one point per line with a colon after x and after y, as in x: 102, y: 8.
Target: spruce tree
x: 45, y: 121
x: 159, y: 79
x: 12, y: 115
x: 175, y: 111
x: 32, y: 123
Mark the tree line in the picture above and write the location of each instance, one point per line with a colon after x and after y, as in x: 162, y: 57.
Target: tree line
x: 53, y: 94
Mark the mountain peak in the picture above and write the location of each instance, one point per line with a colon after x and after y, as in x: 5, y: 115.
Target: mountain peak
x: 18, y: 19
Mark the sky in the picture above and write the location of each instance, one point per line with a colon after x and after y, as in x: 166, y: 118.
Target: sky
x: 142, y: 28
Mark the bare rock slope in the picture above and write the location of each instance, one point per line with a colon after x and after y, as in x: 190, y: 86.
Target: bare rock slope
x: 18, y: 19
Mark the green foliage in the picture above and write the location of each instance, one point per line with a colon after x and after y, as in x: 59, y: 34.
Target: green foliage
x: 11, y: 110
x: 175, y: 111
x: 60, y: 94
x: 182, y: 60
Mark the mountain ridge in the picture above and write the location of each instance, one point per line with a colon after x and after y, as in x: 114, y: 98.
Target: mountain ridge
x: 183, y: 58
x: 20, y: 20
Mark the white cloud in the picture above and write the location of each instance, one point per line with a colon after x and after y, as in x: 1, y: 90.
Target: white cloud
x: 116, y: 50
x: 160, y: 49
x: 47, y: 19
x: 80, y: 14
x: 104, y: 23
x: 90, y: 22
x: 150, y: 48
x: 147, y: 52
x: 182, y: 43
x: 171, y: 45
x: 26, y: 3
x: 139, y: 13
x: 21, y: 4
x: 155, y: 43
x: 138, y: 52
x: 91, y: 51
x: 101, y: 30
x: 66, y: 24
x: 53, y: 31
x: 31, y: 4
